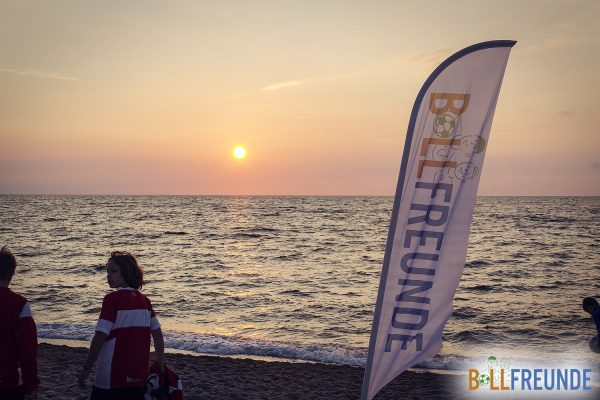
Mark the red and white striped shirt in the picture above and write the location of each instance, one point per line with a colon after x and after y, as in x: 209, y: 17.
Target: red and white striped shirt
x: 18, y: 343
x: 127, y: 318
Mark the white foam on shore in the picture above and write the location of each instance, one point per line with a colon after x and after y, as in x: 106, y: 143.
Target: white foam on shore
x: 219, y: 345
x: 450, y: 360
x: 79, y: 335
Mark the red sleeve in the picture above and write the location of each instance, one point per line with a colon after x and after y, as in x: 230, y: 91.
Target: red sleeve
x: 27, y: 349
x: 108, y: 315
x: 154, y: 324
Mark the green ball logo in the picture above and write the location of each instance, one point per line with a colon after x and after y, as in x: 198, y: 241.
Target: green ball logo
x: 484, y: 379
x: 444, y: 125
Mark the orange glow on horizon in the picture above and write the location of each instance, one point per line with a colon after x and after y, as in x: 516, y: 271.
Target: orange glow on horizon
x: 315, y: 110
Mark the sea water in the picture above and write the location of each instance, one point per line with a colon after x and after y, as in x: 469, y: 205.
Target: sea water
x: 297, y: 277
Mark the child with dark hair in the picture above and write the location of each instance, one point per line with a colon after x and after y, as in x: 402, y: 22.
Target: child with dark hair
x: 122, y: 339
x: 590, y: 305
x: 18, y: 338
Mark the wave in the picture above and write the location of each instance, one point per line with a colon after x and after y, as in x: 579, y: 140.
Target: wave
x: 296, y: 292
x: 450, y: 362
x: 65, y: 331
x: 562, y: 254
x: 482, y: 288
x: 151, y: 236
x: 289, y: 257
x: 233, y: 346
x: 263, y: 229
x: 473, y: 337
x: 247, y: 235
x: 34, y: 254
x: 274, y: 214
x: 220, y: 345
x: 543, y: 218
x: 464, y: 313
x: 476, y: 263
x: 223, y: 345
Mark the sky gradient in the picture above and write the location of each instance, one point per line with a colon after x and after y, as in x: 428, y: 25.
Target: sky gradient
x: 151, y: 97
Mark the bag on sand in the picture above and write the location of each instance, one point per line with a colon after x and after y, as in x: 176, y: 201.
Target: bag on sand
x: 168, y: 388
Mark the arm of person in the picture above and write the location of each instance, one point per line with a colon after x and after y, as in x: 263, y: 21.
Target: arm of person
x: 27, y: 349
x: 95, y: 347
x: 159, y: 348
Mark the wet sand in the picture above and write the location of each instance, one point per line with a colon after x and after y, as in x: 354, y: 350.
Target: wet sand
x: 206, y: 377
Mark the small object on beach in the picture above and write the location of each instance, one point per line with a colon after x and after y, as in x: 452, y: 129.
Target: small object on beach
x: 595, y: 344
x: 163, y: 387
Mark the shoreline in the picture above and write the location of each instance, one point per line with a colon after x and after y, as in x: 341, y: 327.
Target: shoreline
x: 168, y: 350
x: 85, y: 344
x: 217, y: 377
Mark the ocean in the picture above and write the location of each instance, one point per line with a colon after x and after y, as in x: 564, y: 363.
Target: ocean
x: 296, y: 277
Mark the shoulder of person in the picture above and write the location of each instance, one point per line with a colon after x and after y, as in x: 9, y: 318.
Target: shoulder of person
x: 20, y: 297
x: 112, y: 295
x: 15, y: 304
x: 17, y: 298
x: 146, y: 299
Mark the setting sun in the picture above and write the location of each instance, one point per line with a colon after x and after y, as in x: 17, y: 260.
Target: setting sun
x: 239, y: 152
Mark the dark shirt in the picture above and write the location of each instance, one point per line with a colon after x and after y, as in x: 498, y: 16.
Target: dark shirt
x: 18, y: 342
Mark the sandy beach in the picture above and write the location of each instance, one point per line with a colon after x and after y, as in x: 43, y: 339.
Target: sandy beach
x: 206, y: 377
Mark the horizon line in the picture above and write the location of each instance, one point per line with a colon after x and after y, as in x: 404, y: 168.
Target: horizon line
x: 273, y: 195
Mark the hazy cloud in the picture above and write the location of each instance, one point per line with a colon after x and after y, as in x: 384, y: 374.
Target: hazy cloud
x: 280, y: 85
x: 40, y: 74
x: 566, y: 113
x: 569, y: 41
x: 596, y: 165
x: 356, y: 74
x: 433, y: 58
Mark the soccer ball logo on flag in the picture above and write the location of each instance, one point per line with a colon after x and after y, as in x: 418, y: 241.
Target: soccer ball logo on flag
x: 444, y: 125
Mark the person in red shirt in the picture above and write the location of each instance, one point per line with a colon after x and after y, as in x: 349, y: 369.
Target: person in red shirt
x: 18, y: 338
x: 122, y: 339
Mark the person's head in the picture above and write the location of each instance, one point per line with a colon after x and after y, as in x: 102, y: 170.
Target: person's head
x: 8, y: 265
x: 589, y: 304
x: 123, y: 270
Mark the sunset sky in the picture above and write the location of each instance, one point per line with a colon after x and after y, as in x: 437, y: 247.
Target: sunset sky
x: 151, y: 97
